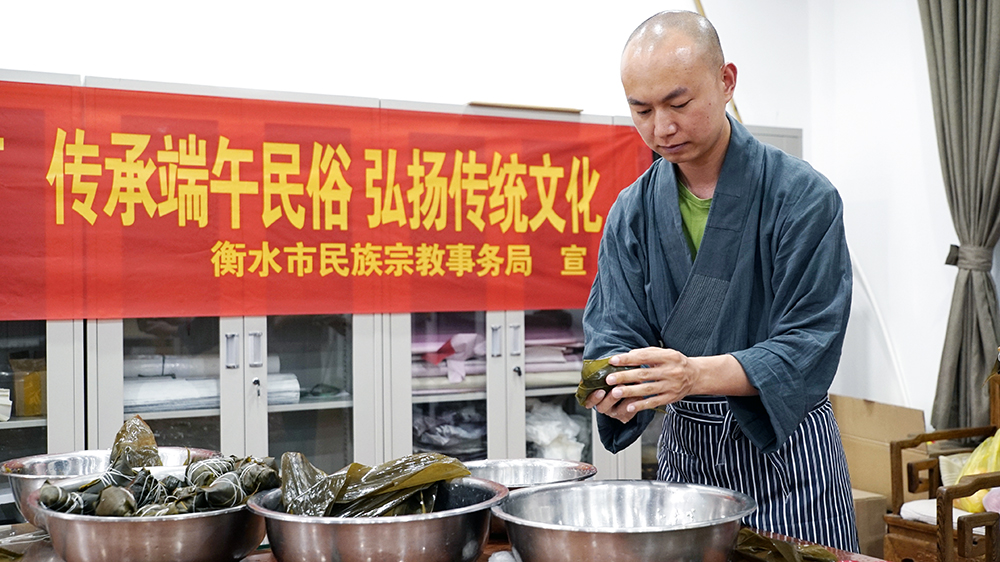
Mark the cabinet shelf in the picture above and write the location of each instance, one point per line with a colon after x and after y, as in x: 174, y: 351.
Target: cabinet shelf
x: 304, y: 405
x: 550, y: 391
x: 19, y: 423
x: 313, y: 403
x: 441, y: 385
x: 439, y: 389
x: 175, y: 414
x: 428, y: 397
x: 22, y: 342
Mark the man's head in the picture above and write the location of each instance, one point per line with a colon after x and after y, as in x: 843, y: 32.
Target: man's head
x: 677, y: 84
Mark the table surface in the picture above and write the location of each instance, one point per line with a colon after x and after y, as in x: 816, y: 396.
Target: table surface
x: 42, y: 551
x: 493, y: 546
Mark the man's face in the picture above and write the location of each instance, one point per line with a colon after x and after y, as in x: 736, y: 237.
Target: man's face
x: 678, y: 100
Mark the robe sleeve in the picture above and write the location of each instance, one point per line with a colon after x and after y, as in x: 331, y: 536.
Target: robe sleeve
x: 811, y: 281
x: 615, y: 318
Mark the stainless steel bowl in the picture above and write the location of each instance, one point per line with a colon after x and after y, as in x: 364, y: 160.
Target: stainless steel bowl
x: 623, y: 521
x: 455, y: 531
x: 29, y: 473
x: 211, y: 536
x: 521, y: 473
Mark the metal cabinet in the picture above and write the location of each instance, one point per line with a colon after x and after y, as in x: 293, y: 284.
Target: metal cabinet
x: 241, y: 385
x: 498, y: 384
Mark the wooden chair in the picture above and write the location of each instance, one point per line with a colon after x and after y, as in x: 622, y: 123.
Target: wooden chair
x: 915, y: 541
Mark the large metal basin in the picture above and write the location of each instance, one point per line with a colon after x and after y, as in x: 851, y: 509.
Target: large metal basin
x: 29, y: 473
x: 623, y: 521
x: 522, y: 473
x: 454, y: 532
x: 213, y: 536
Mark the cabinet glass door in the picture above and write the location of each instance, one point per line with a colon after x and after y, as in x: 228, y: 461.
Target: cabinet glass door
x: 171, y: 378
x: 23, y: 377
x: 310, y: 388
x: 22, y: 400
x: 556, y: 426
x: 240, y: 385
x: 448, y: 367
x: 41, y: 394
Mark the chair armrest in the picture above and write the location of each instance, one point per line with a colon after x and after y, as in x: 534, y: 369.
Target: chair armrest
x: 967, y: 548
x: 915, y: 483
x: 896, y: 458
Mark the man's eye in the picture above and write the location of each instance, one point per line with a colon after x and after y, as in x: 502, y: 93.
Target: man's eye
x: 643, y: 111
x: 680, y: 105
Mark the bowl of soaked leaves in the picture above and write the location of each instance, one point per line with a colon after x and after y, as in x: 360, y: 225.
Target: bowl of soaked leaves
x: 416, y: 508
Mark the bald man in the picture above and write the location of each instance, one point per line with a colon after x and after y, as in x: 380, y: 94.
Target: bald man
x: 724, y: 281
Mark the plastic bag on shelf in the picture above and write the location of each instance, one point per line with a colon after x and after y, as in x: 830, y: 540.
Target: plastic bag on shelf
x: 553, y: 431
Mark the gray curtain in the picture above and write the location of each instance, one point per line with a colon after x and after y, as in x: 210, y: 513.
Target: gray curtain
x: 962, y: 38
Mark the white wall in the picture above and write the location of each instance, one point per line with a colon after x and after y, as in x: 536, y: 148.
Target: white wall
x: 871, y: 131
x: 850, y: 73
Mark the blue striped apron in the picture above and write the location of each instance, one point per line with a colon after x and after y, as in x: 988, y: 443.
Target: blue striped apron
x: 803, y: 489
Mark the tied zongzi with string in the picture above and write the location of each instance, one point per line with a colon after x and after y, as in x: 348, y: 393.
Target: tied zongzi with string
x: 129, y: 489
x: 404, y: 486
x: 215, y: 485
x: 115, y: 502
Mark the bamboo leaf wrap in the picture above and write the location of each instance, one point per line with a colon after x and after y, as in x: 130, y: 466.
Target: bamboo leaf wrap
x: 593, y: 376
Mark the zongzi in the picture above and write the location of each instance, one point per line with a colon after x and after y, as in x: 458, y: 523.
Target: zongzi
x: 593, y: 377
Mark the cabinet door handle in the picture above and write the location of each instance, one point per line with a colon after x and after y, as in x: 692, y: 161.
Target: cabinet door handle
x: 496, y: 350
x: 232, y: 351
x: 256, y: 350
x: 515, y: 339
x: 517, y: 369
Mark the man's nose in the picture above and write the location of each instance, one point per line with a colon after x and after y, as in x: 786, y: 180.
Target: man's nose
x: 665, y: 125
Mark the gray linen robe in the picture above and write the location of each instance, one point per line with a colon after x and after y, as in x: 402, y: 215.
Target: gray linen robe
x: 771, y: 284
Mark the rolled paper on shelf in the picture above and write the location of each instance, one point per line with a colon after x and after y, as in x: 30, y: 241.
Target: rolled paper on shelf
x: 182, y: 366
x: 164, y: 394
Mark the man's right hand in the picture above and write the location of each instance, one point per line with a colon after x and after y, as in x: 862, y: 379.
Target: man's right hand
x: 608, y: 405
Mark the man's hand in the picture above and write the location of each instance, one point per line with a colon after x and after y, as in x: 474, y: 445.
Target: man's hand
x: 663, y: 376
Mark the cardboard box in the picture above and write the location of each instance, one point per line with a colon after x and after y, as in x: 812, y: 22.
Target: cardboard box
x: 29, y: 395
x: 869, y: 508
x: 866, y: 429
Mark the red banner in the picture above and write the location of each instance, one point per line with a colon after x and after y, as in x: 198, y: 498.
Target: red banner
x: 135, y: 204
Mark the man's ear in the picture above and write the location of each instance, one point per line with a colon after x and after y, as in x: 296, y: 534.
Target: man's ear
x: 729, y: 79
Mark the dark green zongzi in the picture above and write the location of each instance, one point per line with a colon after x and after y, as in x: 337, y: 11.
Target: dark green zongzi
x: 593, y: 376
x: 136, y: 444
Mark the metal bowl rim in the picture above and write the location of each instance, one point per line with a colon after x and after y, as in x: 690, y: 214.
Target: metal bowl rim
x: 749, y: 503
x: 559, y: 463
x: 582, y: 470
x: 47, y: 513
x: 8, y: 466
x: 499, y: 490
